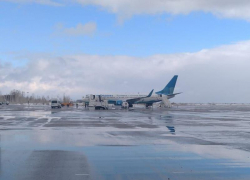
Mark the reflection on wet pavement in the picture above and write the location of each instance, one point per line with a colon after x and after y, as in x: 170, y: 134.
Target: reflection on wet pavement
x: 188, y: 142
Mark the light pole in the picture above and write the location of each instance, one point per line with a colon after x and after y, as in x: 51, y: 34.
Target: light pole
x: 28, y: 98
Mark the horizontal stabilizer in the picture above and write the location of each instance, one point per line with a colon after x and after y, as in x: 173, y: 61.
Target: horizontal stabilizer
x: 174, y: 94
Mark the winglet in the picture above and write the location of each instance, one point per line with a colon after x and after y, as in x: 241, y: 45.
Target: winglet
x: 150, y: 94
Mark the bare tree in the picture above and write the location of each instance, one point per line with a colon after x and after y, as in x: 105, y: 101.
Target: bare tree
x: 17, y: 96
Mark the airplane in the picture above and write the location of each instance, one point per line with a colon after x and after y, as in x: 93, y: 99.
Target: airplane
x: 161, y: 96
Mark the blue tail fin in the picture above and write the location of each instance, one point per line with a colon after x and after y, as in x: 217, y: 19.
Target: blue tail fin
x: 169, y: 89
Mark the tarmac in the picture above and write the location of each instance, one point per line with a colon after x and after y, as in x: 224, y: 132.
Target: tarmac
x: 188, y: 142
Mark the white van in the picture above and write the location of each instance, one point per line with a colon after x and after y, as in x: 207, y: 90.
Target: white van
x: 55, y: 103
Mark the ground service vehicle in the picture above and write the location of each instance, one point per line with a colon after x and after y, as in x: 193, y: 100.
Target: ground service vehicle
x: 97, y: 102
x: 55, y: 103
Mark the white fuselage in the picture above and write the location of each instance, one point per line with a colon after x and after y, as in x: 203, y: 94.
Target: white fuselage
x: 115, y: 97
x: 121, y: 97
x: 144, y: 99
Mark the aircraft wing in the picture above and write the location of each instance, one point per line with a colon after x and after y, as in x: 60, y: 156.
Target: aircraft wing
x: 132, y: 101
x: 150, y: 94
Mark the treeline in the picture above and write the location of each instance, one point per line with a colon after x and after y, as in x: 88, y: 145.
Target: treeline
x: 66, y: 99
x: 20, y: 97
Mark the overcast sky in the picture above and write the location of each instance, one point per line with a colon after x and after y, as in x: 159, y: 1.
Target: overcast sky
x: 79, y: 47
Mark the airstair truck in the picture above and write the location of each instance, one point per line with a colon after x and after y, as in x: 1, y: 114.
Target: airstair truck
x: 96, y: 102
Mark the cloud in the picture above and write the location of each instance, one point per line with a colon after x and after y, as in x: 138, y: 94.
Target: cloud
x: 43, y: 2
x: 87, y: 29
x: 127, y: 8
x: 210, y: 75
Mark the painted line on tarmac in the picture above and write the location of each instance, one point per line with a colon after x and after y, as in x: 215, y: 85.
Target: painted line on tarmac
x: 81, y: 174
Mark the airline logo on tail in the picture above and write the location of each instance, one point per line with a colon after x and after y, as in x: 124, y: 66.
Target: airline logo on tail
x: 169, y: 89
